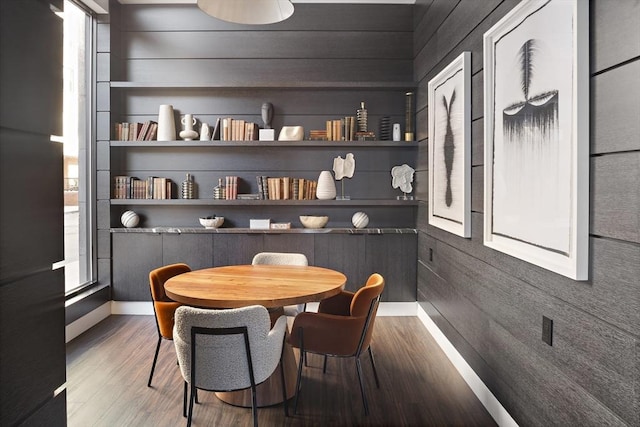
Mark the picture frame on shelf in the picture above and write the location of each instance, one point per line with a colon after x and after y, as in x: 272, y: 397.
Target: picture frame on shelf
x: 449, y: 97
x: 536, y: 147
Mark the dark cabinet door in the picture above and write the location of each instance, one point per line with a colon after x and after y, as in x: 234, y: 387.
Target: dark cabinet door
x: 344, y: 253
x: 234, y: 249
x: 134, y: 256
x: 298, y: 243
x: 195, y: 250
x: 394, y: 256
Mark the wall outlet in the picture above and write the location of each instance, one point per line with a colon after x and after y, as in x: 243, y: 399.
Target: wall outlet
x: 547, y: 330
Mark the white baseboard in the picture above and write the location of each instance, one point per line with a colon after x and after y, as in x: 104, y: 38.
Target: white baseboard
x: 87, y: 321
x: 132, y: 307
x: 488, y: 400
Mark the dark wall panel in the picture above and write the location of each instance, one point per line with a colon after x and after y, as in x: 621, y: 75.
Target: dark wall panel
x: 490, y: 305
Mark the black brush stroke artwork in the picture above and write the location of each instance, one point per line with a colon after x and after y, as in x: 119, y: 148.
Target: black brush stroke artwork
x: 535, y: 112
x: 449, y: 147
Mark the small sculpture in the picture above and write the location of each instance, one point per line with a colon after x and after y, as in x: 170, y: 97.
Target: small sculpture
x: 344, y: 168
x: 188, y: 134
x: 267, y: 114
x: 402, y: 177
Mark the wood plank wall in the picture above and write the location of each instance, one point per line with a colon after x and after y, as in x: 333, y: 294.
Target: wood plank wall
x: 490, y: 305
x: 322, y: 43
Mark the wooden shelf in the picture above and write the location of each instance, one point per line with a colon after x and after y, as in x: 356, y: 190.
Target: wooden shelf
x: 285, y: 144
x: 211, y: 202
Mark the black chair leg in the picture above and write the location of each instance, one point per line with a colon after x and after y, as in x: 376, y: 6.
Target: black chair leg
x: 285, y: 402
x: 373, y: 365
x: 155, y: 359
x: 184, y: 401
x: 364, y: 396
x: 191, y: 400
x: 254, y: 406
x: 299, y: 377
x: 324, y: 365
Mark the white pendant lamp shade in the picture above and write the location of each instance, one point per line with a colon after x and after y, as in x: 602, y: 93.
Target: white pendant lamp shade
x: 253, y: 12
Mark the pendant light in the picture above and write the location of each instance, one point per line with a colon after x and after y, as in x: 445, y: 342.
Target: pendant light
x: 252, y: 12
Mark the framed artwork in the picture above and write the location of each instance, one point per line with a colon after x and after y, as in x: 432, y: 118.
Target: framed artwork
x: 450, y: 147
x: 536, y: 123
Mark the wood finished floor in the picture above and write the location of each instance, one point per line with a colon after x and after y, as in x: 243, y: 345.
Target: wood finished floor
x: 108, y: 368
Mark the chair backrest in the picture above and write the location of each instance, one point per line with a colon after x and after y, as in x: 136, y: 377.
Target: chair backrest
x: 221, y: 361
x: 280, y: 258
x: 365, y: 304
x: 163, y: 306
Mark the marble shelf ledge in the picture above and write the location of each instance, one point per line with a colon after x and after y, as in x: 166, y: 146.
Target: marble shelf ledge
x: 201, y: 230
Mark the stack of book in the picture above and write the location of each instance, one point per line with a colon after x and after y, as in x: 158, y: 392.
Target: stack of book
x: 318, y: 135
x: 131, y: 187
x: 126, y: 131
x: 342, y: 129
x: 237, y: 130
x: 286, y: 188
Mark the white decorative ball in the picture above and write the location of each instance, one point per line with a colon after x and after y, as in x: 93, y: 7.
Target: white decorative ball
x: 360, y: 220
x: 130, y: 219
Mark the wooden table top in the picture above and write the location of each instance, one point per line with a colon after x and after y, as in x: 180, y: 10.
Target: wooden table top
x: 242, y: 285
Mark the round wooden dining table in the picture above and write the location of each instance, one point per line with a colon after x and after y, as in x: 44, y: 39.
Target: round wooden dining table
x: 272, y: 286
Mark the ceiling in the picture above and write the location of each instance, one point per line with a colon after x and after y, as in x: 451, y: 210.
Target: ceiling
x: 293, y: 1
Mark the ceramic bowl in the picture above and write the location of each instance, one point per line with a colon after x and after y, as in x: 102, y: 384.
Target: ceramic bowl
x: 313, y: 221
x: 212, y: 222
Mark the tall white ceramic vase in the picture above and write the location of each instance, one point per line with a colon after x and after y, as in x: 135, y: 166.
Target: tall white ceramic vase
x: 326, y: 189
x: 166, y: 123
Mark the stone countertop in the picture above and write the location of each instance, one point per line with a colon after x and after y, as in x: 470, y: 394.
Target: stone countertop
x: 201, y: 230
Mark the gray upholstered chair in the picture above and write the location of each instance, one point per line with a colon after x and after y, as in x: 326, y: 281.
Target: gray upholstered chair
x: 226, y: 350
x: 283, y: 258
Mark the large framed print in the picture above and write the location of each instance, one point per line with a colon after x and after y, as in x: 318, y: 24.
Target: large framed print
x: 449, y: 98
x: 536, y: 94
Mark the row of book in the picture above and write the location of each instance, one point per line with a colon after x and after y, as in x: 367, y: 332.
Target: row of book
x: 146, y: 131
x: 152, y: 187
x: 343, y: 129
x: 236, y: 130
x: 286, y: 188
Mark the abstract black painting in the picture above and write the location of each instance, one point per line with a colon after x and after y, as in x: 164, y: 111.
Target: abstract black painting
x: 536, y: 135
x: 450, y: 147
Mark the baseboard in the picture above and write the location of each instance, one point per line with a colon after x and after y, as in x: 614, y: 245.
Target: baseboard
x: 87, y: 321
x: 488, y: 400
x: 132, y: 307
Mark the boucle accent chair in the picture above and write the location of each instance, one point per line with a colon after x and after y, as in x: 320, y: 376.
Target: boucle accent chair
x: 163, y: 306
x: 342, y: 327
x: 226, y: 350
x: 283, y: 258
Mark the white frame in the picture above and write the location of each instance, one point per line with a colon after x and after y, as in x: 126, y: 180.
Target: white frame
x: 568, y: 217
x: 455, y: 218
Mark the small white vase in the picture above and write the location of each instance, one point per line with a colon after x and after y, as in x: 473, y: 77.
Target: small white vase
x: 326, y: 189
x: 166, y: 124
x: 188, y: 134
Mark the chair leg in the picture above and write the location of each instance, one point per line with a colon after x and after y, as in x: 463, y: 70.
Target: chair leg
x: 364, y: 396
x: 254, y: 406
x: 285, y: 402
x: 324, y: 365
x: 184, y: 401
x: 155, y: 359
x: 373, y: 365
x: 191, y: 400
x: 299, y: 377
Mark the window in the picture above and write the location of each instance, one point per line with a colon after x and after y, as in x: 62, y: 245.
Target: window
x: 78, y: 212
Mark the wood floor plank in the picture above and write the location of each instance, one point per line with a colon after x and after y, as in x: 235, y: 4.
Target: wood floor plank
x: 108, y: 368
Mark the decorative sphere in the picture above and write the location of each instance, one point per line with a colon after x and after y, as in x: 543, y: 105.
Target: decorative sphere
x: 130, y: 219
x: 360, y: 220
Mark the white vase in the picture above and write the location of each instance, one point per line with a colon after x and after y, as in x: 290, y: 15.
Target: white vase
x: 166, y: 124
x: 326, y: 189
x: 188, y: 134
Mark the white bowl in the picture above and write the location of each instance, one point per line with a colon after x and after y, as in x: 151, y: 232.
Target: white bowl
x: 212, y: 222
x: 313, y: 221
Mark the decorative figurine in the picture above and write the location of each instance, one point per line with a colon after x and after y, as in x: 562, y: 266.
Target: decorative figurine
x: 402, y: 177
x: 344, y: 168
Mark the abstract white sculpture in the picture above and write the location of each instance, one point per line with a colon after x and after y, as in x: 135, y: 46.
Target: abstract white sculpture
x: 402, y: 177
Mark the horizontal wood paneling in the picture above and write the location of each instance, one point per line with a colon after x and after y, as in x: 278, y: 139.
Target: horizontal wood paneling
x: 590, y: 374
x: 268, y: 44
x: 614, y: 33
x: 615, y: 114
x: 307, y: 17
x: 615, y: 204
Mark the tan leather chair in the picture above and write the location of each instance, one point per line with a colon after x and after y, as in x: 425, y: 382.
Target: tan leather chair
x: 342, y: 327
x: 163, y: 307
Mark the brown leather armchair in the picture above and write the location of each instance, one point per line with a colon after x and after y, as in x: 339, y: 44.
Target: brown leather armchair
x: 342, y: 327
x: 163, y: 307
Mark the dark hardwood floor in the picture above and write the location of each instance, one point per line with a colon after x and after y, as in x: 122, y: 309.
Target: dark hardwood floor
x: 108, y: 368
